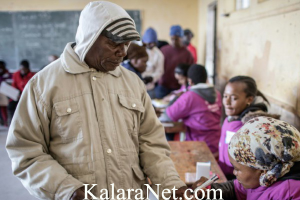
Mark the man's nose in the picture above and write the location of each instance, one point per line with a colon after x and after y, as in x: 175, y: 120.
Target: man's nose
x: 122, y: 50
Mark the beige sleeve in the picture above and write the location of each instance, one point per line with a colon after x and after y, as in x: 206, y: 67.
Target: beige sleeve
x: 27, y: 146
x: 155, y: 151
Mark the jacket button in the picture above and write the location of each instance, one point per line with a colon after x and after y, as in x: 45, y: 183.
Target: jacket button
x: 69, y: 110
x: 94, y: 78
x: 133, y: 105
x: 108, y: 151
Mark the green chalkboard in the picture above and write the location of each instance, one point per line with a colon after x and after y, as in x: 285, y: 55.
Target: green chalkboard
x: 36, y: 35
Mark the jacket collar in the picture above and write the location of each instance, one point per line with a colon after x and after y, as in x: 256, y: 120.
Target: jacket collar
x: 72, y: 64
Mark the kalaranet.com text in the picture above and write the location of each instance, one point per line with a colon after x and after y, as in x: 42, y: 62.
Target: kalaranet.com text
x: 139, y: 193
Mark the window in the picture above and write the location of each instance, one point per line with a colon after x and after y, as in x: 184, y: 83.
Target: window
x: 242, y: 4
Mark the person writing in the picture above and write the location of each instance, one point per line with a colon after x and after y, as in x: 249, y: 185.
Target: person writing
x: 265, y: 154
x: 84, y: 119
x: 192, y: 107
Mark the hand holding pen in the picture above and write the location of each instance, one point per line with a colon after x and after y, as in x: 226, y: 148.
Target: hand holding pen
x: 207, y: 183
x: 203, y: 184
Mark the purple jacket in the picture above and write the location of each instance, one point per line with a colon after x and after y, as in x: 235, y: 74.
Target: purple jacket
x: 228, y: 129
x: 201, y: 123
x: 280, y: 190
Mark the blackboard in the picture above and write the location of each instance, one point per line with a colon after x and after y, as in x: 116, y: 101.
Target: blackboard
x: 36, y: 35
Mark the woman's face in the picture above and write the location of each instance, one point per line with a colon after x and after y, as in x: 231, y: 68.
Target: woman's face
x: 248, y: 177
x: 140, y: 64
x: 235, y: 99
x: 182, y: 80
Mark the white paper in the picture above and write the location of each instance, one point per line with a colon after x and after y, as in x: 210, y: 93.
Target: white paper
x: 167, y: 124
x: 202, y: 169
x: 9, y: 91
x: 158, y: 103
x: 190, y: 177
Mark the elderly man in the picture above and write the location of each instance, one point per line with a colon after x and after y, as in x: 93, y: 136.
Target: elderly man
x: 86, y: 120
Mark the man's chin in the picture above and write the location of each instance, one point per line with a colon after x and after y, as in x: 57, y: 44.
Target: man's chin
x: 110, y: 67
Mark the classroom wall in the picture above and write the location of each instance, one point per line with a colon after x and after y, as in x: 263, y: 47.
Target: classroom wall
x: 261, y: 41
x: 159, y: 14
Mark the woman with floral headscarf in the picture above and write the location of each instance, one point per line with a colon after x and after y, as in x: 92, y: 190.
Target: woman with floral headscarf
x: 265, y: 154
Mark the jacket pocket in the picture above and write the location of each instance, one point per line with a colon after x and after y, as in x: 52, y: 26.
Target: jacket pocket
x: 68, y: 121
x: 132, y: 109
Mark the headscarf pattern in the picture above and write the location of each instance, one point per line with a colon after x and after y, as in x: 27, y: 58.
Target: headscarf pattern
x: 267, y: 144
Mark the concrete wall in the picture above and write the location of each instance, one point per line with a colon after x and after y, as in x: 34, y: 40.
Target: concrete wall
x: 263, y: 42
x: 159, y: 14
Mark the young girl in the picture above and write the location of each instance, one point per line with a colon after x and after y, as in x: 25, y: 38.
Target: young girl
x: 192, y: 107
x: 137, y: 59
x: 181, y: 75
x: 241, y: 100
x: 265, y: 154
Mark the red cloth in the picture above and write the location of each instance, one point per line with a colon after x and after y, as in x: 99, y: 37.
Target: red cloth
x: 193, y: 51
x: 20, y: 82
x: 173, y: 57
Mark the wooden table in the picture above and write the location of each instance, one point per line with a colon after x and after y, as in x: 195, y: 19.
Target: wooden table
x: 185, y: 155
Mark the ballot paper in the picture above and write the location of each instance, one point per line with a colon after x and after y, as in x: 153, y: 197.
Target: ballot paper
x: 159, y: 103
x: 9, y: 91
x: 202, y: 169
x: 165, y: 124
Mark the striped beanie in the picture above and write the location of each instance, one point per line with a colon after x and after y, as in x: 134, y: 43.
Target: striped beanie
x: 121, y: 30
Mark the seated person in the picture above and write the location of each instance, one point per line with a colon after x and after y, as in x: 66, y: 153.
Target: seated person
x: 137, y: 58
x: 241, y: 100
x: 265, y: 154
x: 192, y: 107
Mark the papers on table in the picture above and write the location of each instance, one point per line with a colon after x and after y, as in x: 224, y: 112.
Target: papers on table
x: 202, y: 169
x: 167, y: 124
x: 159, y: 103
x: 9, y: 91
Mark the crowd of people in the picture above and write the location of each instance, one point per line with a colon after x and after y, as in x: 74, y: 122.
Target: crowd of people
x: 89, y: 119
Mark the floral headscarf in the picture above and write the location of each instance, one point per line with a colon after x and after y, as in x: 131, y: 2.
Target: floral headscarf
x: 267, y: 144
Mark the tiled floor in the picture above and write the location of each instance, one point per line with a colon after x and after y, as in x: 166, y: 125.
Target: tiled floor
x: 10, y: 186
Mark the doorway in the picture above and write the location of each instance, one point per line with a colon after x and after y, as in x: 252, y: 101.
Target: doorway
x: 211, y: 50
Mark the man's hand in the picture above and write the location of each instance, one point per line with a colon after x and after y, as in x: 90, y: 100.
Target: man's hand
x: 79, y: 194
x: 197, y: 184
x: 180, y: 194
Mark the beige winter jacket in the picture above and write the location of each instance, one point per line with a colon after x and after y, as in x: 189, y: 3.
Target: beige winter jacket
x: 74, y: 125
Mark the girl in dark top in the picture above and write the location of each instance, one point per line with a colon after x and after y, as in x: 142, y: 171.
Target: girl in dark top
x: 137, y: 58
